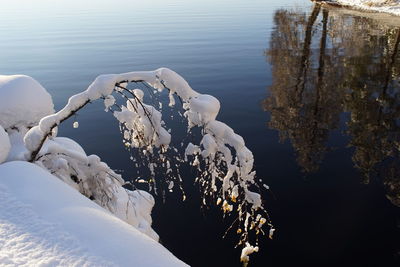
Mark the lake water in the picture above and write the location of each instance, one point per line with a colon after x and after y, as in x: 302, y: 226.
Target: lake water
x: 314, y: 92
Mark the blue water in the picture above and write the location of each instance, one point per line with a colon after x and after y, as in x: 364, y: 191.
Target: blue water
x: 328, y: 217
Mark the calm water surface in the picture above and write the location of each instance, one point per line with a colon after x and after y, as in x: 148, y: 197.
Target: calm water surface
x: 314, y: 92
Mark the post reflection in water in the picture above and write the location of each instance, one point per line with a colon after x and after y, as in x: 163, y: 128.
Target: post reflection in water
x: 333, y: 71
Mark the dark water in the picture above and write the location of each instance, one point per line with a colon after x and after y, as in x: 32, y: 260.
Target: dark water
x: 314, y: 92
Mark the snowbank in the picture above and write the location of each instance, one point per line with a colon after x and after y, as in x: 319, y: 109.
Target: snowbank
x: 44, y: 222
x: 382, y: 6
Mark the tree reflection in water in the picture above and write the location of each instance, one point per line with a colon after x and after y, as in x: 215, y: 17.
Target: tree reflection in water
x: 326, y: 64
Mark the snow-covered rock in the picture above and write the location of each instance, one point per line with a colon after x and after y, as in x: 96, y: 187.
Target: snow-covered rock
x: 23, y: 101
x: 383, y: 6
x: 5, y: 145
x: 44, y: 222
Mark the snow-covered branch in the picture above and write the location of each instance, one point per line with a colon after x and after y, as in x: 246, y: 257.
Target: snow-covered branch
x: 226, y: 172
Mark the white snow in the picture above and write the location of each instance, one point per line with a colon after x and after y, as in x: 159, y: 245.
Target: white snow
x: 201, y: 109
x: 44, y: 222
x: 175, y: 83
x: 383, y: 6
x: 5, y: 145
x: 108, y: 102
x: 104, y: 85
x: 23, y: 101
x: 143, y: 124
x: 18, y: 149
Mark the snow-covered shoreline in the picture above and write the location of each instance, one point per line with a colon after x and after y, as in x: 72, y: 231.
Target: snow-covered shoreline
x: 381, y: 6
x: 45, y: 222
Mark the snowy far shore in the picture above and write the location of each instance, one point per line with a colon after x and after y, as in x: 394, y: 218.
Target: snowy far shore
x: 382, y: 6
